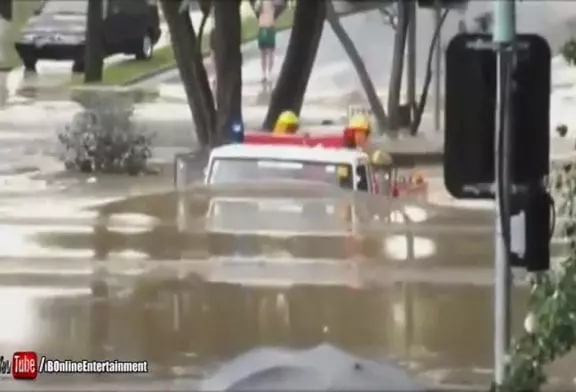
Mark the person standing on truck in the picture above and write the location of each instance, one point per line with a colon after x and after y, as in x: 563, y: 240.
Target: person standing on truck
x: 266, y: 10
x: 357, y: 136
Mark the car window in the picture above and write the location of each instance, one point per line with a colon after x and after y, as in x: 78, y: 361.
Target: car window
x: 65, y: 7
x: 227, y: 170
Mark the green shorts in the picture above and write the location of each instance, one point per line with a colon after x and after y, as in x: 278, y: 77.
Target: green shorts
x: 267, y: 38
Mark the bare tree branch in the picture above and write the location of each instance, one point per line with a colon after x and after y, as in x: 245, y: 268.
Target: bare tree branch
x: 206, y: 8
x: 358, y: 64
x: 390, y: 15
x: 428, y: 77
x: 395, y: 85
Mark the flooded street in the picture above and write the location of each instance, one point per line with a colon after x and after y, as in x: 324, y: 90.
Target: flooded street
x: 124, y: 280
x: 95, y: 267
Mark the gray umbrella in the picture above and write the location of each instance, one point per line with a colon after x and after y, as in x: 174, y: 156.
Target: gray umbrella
x: 323, y: 368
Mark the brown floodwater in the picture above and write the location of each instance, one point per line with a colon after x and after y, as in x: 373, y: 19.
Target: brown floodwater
x: 136, y: 279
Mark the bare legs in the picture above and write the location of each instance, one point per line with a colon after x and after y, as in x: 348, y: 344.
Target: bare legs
x: 266, y: 63
x: 270, y: 55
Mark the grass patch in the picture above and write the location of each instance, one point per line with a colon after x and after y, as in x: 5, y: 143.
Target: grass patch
x: 126, y: 71
x: 21, y: 12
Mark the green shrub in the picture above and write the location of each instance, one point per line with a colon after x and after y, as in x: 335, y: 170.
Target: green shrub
x: 568, y: 51
x: 550, y: 326
x: 103, y: 138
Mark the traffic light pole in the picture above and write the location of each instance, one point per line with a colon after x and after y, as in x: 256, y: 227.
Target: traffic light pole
x: 504, y: 37
x: 437, y: 66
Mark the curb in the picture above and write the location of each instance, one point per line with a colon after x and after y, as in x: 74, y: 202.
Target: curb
x: 152, y: 74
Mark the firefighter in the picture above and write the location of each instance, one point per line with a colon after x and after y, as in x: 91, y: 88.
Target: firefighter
x: 287, y: 124
x: 357, y: 135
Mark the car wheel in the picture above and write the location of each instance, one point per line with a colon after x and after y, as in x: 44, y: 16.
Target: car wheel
x: 78, y: 66
x: 29, y: 64
x: 146, y: 48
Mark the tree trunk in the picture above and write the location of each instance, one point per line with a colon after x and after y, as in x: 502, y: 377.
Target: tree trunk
x: 300, y: 56
x: 228, y: 56
x: 94, y: 53
x: 5, y: 21
x: 395, y: 85
x: 191, y: 68
x: 206, y: 8
x: 428, y: 78
x: 358, y: 65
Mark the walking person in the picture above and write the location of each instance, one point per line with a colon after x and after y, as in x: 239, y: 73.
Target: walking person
x: 266, y: 37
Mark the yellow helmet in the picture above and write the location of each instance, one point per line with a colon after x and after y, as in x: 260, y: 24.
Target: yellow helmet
x: 359, y: 121
x: 287, y: 117
x: 381, y: 158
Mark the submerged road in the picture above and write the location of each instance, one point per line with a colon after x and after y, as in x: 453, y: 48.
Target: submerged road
x: 81, y: 280
x: 117, y: 281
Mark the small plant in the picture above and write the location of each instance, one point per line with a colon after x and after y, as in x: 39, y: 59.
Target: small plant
x: 550, y: 326
x: 568, y: 51
x: 104, y: 139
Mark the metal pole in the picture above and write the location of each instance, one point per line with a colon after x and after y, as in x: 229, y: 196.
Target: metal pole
x: 437, y: 66
x: 504, y: 35
x: 411, y: 64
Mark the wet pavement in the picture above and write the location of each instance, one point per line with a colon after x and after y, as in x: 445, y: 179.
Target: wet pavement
x: 123, y: 279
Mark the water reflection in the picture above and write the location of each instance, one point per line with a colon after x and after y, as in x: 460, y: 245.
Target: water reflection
x: 188, y: 326
x: 25, y: 307
x: 400, y: 247
x: 187, y: 318
x: 91, y: 99
x: 172, y: 226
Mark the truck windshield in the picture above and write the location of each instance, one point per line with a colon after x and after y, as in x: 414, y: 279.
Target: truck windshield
x: 227, y: 170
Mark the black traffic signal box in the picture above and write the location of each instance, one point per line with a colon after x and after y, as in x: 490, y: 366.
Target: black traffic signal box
x: 471, y: 82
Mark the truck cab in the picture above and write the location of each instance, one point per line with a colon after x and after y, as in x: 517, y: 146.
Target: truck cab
x: 241, y: 163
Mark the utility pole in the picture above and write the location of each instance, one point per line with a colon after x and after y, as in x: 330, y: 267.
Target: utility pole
x: 94, y: 51
x: 504, y: 39
x: 411, y: 65
x: 437, y: 66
